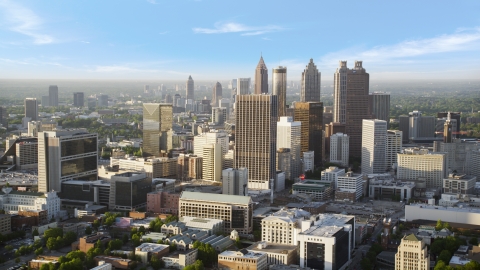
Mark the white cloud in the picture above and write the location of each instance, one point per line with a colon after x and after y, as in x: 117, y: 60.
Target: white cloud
x: 163, y: 33
x: 461, y: 40
x: 222, y: 28
x: 86, y: 42
x: 24, y: 21
x: 152, y: 2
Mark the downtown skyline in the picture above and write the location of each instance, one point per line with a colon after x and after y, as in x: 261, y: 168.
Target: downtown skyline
x: 172, y: 40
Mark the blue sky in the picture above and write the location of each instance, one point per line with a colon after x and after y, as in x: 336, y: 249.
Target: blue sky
x: 154, y: 39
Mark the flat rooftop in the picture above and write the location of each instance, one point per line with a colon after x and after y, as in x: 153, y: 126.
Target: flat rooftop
x: 150, y: 247
x: 273, y: 248
x: 242, y: 254
x: 444, y: 208
x: 333, y: 219
x: 212, y: 197
x: 322, y: 231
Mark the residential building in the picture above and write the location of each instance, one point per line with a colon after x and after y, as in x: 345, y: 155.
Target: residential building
x: 310, y: 115
x: 261, y: 78
x: 65, y: 155
x: 392, y: 148
x: 412, y: 254
x: 180, y: 258
x: 243, y: 86
x: 147, y: 250
x: 157, y: 128
x: 53, y: 96
x: 31, y: 108
x: 212, y: 162
x: 308, y: 161
x: 289, y: 136
x: 379, y: 105
x: 236, y: 211
x: 217, y: 94
x: 279, y: 88
x: 419, y: 163
x: 328, y: 243
x: 26, y: 155
x: 311, y: 82
x: 459, y: 184
x: 78, y: 99
x: 350, y: 104
x: 242, y: 258
x: 190, y: 88
x: 255, y: 137
x: 374, y: 138
x: 195, y: 167
x: 283, y: 227
x: 128, y: 191
x: 340, y: 149
x: 235, y: 181
x: 163, y: 202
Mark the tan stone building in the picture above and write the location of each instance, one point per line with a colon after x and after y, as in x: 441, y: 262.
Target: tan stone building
x: 412, y: 254
x: 242, y: 259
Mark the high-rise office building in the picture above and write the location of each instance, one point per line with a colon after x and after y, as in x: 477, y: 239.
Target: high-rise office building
x: 212, y: 162
x: 65, y: 155
x: 339, y: 149
x: 420, y: 127
x: 311, y: 79
x: 219, y: 115
x: 350, y: 105
x: 102, y: 101
x: 45, y: 101
x: 310, y: 114
x: 255, y: 137
x: 217, y: 94
x: 53, y: 94
x: 392, y: 148
x: 235, y: 181
x: 284, y: 162
x: 31, y: 108
x: 78, y: 99
x: 415, y: 163
x: 128, y: 191
x: 261, y: 78
x: 453, y: 116
x: 219, y: 137
x: 379, y: 104
x: 157, y: 128
x: 243, y: 86
x: 3, y: 117
x: 190, y: 88
x: 288, y: 136
x: 412, y: 254
x: 279, y: 80
x: 374, y: 138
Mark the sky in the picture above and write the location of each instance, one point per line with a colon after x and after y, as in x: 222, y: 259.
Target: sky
x: 220, y: 40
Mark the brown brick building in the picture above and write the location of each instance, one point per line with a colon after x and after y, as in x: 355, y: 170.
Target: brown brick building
x: 87, y: 242
x: 163, y: 202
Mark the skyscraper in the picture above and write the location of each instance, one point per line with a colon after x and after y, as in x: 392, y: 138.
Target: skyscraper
x: 243, y: 86
x: 212, y: 162
x: 102, y: 101
x: 217, y: 94
x: 310, y: 114
x: 255, y: 137
x: 379, y: 104
x: 288, y: 136
x: 157, y: 128
x: 374, y: 139
x: 310, y: 83
x: 190, y: 88
x: 280, y: 89
x: 412, y: 254
x: 53, y: 94
x: 65, y: 155
x: 78, y: 99
x: 3, y: 117
x: 31, y: 108
x: 261, y: 78
x: 339, y: 149
x: 350, y: 105
x: 393, y: 147
x: 235, y: 181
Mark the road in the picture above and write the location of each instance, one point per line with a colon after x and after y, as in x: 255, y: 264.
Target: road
x: 355, y: 261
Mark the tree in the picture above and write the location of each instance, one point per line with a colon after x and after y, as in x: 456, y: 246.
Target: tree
x: 198, y: 265
x: 53, y: 232
x: 440, y: 265
x: 445, y: 256
x: 136, y: 240
x: 125, y: 238
x: 35, y: 233
x: 52, y: 243
x: 96, y: 224
x: 156, y: 263
x: 473, y: 241
x: 39, y: 251
x: 366, y: 264
x: 9, y: 247
x: 69, y: 238
x: 17, y: 260
x: 238, y: 244
x: 88, y: 230
x: 439, y: 225
x: 115, y: 244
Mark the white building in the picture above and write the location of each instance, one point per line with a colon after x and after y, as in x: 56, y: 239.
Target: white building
x: 412, y: 254
x: 180, y: 258
x: 461, y: 215
x: 219, y: 137
x: 339, y: 149
x: 288, y: 136
x: 14, y: 201
x: 374, y: 137
x: 146, y: 250
x: 459, y: 184
x: 219, y: 115
x: 415, y: 163
x: 331, y: 174
x: 351, y: 182
x: 235, y: 181
x: 308, y: 161
x: 392, y: 148
x: 212, y: 162
x: 282, y: 227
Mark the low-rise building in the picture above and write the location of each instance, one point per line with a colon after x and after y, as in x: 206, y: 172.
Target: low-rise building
x: 319, y: 190
x: 116, y: 262
x: 276, y: 253
x: 37, y: 263
x: 459, y: 184
x: 384, y: 186
x: 15, y: 201
x: 180, y: 258
x: 282, y: 227
x: 163, y: 202
x: 459, y: 215
x: 147, y: 250
x: 102, y: 265
x: 87, y: 242
x: 242, y: 259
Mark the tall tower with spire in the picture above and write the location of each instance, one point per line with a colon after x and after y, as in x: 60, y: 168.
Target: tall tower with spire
x: 261, y: 77
x: 190, y: 87
x: 310, y: 83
